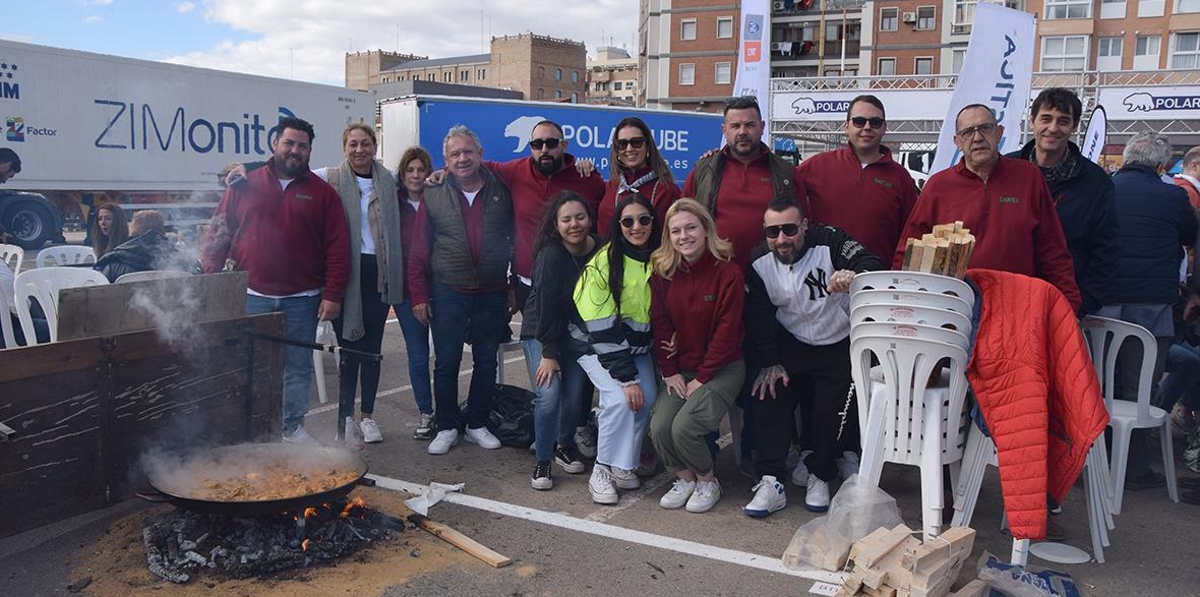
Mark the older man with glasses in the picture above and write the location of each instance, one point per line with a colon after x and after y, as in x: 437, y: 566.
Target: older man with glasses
x: 860, y: 179
x: 1004, y: 201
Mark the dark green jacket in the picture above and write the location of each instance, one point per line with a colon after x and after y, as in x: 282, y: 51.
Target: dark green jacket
x: 451, y: 262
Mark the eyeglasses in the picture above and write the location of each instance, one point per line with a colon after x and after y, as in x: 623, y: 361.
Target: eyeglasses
x: 969, y: 133
x: 547, y: 143
x: 861, y: 121
x: 636, y: 142
x: 786, y: 229
x: 642, y: 220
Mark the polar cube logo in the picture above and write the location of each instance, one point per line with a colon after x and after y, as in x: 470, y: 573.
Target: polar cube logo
x: 808, y: 105
x: 14, y: 129
x: 1144, y: 102
x: 9, y: 88
x: 522, y: 129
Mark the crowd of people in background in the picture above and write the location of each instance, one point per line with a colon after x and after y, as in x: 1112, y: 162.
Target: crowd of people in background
x: 671, y: 308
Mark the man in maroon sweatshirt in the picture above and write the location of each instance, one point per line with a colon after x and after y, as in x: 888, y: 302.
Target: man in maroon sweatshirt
x: 287, y: 229
x: 1003, y: 201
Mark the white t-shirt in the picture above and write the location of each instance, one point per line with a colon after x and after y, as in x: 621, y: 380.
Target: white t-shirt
x: 365, y: 187
x: 470, y: 197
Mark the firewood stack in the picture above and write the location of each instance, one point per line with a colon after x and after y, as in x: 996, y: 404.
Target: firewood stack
x: 894, y: 563
x: 945, y: 251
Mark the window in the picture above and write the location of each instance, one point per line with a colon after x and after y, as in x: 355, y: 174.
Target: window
x: 722, y: 75
x: 1112, y: 9
x: 1064, y: 53
x: 833, y: 31
x: 574, y: 98
x: 1068, y: 9
x: 687, y: 74
x: 541, y: 72
x: 889, y: 19
x: 430, y: 77
x: 1145, y: 52
x: 1187, y: 50
x: 481, y: 74
x: 541, y: 93
x: 724, y: 27
x: 887, y: 66
x: 464, y: 75
x: 923, y: 66
x: 1182, y: 6
x: 964, y: 15
x: 926, y: 18
x: 574, y: 76
x: 629, y: 84
x: 558, y: 74
x: 687, y: 29
x: 1151, y: 8
x: 957, y: 57
x: 557, y: 94
x: 1108, y: 53
x: 448, y: 76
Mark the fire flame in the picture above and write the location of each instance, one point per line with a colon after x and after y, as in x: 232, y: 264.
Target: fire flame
x: 310, y: 512
x: 356, y: 502
x: 304, y: 545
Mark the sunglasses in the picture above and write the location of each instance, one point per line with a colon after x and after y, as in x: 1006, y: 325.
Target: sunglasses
x: 642, y: 220
x: 636, y: 142
x: 861, y: 121
x: 547, y: 143
x: 786, y: 229
x: 969, y: 133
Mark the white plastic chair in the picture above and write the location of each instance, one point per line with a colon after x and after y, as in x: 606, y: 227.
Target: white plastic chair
x: 325, y: 335
x: 981, y: 452
x: 906, y: 280
x: 911, y: 314
x: 157, y: 274
x: 42, y: 285
x: 6, y: 326
x: 891, y: 329
x: 1105, y: 337
x: 66, y: 255
x: 12, y: 255
x: 904, y: 421
x: 920, y: 298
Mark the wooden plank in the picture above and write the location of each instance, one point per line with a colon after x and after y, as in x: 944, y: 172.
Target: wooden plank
x: 881, y: 547
x: 461, y: 541
x: 955, y: 542
x: 870, y: 539
x: 887, y: 570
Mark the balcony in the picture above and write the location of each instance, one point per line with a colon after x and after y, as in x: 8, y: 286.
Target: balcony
x: 791, y: 8
x: 807, y: 50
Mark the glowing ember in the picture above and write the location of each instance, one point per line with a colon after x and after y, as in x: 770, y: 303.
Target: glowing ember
x: 357, y: 502
x: 304, y: 545
x: 310, y: 512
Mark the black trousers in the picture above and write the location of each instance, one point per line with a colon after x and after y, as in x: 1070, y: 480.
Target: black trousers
x: 821, y: 372
x: 350, y: 368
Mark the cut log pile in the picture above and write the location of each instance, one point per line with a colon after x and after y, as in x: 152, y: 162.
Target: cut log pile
x: 945, y: 251
x: 894, y: 563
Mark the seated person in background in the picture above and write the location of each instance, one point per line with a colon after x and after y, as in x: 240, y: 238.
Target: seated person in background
x: 147, y: 249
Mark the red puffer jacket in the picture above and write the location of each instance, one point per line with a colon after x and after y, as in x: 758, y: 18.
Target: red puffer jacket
x: 1038, y: 392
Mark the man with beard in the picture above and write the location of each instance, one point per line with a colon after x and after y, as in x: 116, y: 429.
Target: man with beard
x: 287, y: 229
x: 798, y: 327
x: 1081, y: 191
x: 457, y: 280
x: 845, y: 184
x: 1004, y: 202
x: 736, y: 183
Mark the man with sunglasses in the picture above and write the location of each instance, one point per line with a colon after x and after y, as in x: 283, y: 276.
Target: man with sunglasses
x: 798, y: 328
x: 861, y: 179
x: 1005, y: 202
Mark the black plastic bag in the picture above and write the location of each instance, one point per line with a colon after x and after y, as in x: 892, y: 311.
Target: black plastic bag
x: 511, y: 420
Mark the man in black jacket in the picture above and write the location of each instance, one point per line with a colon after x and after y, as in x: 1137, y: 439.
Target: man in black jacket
x: 1082, y: 193
x: 148, y: 248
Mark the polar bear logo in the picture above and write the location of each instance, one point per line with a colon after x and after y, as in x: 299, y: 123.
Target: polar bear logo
x: 1139, y: 102
x: 804, y: 105
x: 522, y: 128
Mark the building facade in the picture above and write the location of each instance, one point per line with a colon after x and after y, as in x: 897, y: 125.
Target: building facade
x: 536, y: 66
x: 612, y: 77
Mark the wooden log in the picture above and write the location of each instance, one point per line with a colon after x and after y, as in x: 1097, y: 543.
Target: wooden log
x: 461, y: 541
x: 927, y: 254
x: 908, y: 253
x: 867, y: 541
x: 956, y: 542
x: 882, y: 546
x: 888, y: 570
x: 941, y: 255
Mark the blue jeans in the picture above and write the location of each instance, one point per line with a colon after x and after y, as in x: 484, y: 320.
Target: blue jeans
x: 1182, y: 383
x: 557, y: 407
x: 416, y: 344
x: 299, y: 323
x: 457, y: 317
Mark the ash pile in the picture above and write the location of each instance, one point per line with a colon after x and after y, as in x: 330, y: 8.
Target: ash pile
x: 182, y: 543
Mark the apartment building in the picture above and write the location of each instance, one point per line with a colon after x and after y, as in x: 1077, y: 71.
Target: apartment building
x: 537, y: 66
x: 612, y: 77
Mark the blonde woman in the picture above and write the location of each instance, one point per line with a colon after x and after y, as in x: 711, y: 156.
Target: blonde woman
x: 697, y: 296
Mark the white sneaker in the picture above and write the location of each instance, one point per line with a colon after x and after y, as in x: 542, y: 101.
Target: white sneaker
x: 370, y: 430
x: 351, y: 437
x: 483, y: 438
x: 769, y: 496
x: 623, y: 478
x: 443, y: 441
x: 586, y: 442
x: 678, y: 495
x: 300, y: 436
x: 816, y: 499
x: 707, y: 494
x: 847, y: 465
x: 800, y: 473
x: 600, y: 485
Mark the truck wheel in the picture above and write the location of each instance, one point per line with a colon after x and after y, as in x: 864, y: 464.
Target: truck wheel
x: 30, y: 224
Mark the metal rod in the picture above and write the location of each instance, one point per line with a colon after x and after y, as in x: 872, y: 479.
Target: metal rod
x: 338, y: 350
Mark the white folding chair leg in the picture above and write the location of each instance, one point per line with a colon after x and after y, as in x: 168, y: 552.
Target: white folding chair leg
x: 1120, y: 459
x: 931, y: 482
x: 1020, y: 552
x: 1168, y: 456
x: 1096, y: 504
x: 870, y: 468
x: 966, y: 491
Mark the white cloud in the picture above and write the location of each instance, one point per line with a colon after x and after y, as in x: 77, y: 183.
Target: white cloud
x: 308, y: 40
x: 93, y: 19
x: 185, y: 7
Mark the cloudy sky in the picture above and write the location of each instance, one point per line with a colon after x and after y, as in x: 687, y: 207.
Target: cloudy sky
x: 305, y: 39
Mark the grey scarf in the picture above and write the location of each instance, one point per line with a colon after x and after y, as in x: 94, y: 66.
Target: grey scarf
x: 383, y: 213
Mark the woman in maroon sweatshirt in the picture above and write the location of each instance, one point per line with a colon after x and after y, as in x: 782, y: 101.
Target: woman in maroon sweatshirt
x: 697, y: 293
x: 636, y: 166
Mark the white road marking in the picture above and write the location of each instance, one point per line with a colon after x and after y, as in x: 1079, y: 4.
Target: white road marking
x: 712, y: 552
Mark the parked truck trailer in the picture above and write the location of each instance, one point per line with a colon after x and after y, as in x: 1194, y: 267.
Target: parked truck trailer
x: 91, y: 128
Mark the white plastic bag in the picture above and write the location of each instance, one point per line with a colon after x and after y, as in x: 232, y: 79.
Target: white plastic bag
x: 856, y: 511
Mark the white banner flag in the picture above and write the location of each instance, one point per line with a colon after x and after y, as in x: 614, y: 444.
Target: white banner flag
x: 754, y: 58
x: 1093, y: 139
x: 997, y: 73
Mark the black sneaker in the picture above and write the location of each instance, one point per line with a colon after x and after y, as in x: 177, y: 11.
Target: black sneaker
x: 541, y: 476
x: 569, y: 459
x: 1147, y: 480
